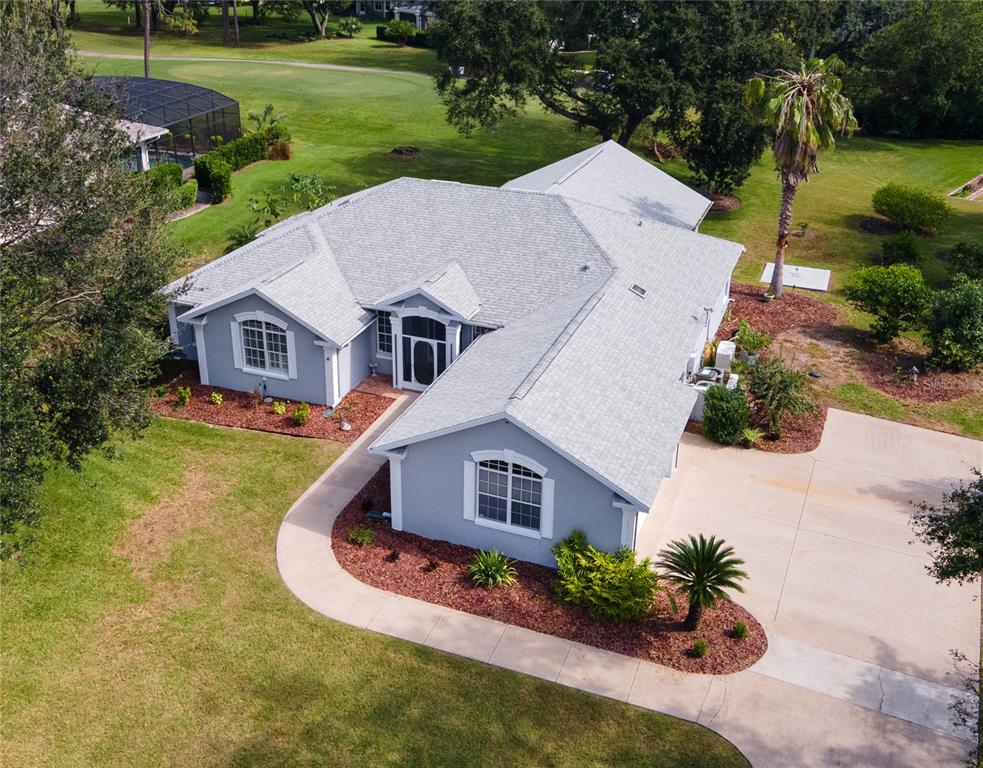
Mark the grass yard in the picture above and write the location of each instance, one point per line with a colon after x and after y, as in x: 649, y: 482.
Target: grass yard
x: 111, y: 30
x: 147, y: 625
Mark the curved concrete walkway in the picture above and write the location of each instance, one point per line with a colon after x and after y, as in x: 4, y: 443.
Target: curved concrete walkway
x: 799, y: 705
x: 226, y: 59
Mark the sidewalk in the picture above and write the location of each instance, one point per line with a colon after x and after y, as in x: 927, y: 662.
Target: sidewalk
x: 797, y: 706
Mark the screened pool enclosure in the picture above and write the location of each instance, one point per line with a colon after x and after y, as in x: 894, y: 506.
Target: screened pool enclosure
x: 198, y: 119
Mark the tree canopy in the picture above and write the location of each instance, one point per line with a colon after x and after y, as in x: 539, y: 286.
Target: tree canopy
x: 82, y: 259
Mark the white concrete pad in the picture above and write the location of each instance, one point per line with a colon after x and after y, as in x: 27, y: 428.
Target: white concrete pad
x: 407, y: 619
x: 668, y: 690
x: 531, y: 653
x: 602, y: 672
x: 919, y: 701
x: 466, y: 635
x: 810, y: 278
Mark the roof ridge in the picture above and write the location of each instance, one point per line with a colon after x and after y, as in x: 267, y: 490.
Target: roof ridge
x: 554, y: 349
x: 598, y: 149
x: 590, y: 235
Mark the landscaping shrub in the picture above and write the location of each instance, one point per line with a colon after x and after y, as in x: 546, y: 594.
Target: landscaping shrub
x: 610, y: 586
x: 778, y: 390
x: 699, y: 649
x: 751, y: 436
x: 302, y: 413
x: 214, y: 174
x: 740, y: 631
x: 279, y: 408
x: 164, y: 177
x: 911, y: 208
x: 240, y: 236
x: 967, y: 258
x: 400, y: 31
x: 750, y: 341
x: 899, y: 248
x: 184, y: 196
x: 491, y: 569
x: 954, y: 325
x: 725, y: 414
x: 280, y: 150
x: 349, y: 26
x: 896, y: 296
x: 216, y: 398
x: 183, y: 395
x: 361, y: 536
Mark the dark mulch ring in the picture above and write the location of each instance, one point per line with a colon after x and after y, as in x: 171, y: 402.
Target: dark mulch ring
x: 435, y: 571
x: 723, y: 202
x: 878, y: 225
x: 793, y: 310
x: 242, y: 409
x: 891, y: 373
x: 800, y: 434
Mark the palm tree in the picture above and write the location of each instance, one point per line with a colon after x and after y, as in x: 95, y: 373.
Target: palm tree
x: 704, y: 569
x: 806, y: 109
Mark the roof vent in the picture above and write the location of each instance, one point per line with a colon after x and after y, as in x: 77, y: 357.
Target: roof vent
x: 638, y: 290
x: 585, y: 268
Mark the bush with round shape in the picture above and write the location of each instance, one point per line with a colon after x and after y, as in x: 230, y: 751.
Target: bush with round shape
x: 725, y: 414
x: 164, y: 177
x: 700, y: 649
x: 954, y: 325
x: 749, y: 340
x: 901, y: 248
x: 279, y: 408
x: 361, y: 536
x: 704, y: 570
x: 611, y: 586
x: 216, y: 398
x: 777, y: 390
x: 912, y: 208
x: 349, y: 26
x: 183, y: 396
x: 184, y: 196
x: 400, y: 31
x: 214, y: 174
x: 491, y: 569
x: 740, y: 631
x: 896, y: 296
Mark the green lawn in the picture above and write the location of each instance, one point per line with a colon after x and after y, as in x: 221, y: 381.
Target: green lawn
x: 147, y: 625
x: 105, y: 29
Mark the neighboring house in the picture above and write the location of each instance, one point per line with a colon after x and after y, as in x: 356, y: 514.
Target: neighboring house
x: 568, y: 415
x: 421, y: 14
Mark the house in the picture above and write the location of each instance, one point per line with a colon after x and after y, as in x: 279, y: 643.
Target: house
x: 421, y: 14
x: 551, y: 325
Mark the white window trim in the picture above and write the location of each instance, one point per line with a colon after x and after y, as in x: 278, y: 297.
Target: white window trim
x: 392, y: 336
x: 512, y: 457
x: 238, y: 354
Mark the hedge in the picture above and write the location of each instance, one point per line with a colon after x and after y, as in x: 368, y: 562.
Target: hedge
x: 216, y: 167
x: 420, y: 39
x: 165, y: 177
x: 215, y: 175
x: 185, y: 195
x: 911, y: 208
x: 725, y: 414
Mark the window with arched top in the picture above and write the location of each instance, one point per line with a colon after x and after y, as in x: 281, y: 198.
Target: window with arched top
x: 508, y: 491
x: 262, y: 345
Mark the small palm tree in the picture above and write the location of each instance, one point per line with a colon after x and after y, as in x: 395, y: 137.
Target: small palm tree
x: 265, y: 119
x: 704, y: 569
x: 806, y: 109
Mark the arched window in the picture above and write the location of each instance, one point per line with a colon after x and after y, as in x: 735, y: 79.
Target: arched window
x: 510, y: 492
x: 261, y: 344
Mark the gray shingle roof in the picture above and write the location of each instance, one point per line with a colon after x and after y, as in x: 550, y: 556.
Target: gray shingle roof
x: 448, y: 286
x: 612, y: 177
x: 606, y: 391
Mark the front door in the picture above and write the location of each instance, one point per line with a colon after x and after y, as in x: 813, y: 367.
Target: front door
x: 423, y: 361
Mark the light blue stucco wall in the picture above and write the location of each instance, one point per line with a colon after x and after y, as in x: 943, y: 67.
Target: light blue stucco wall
x: 433, y: 494
x: 354, y: 359
x: 310, y: 384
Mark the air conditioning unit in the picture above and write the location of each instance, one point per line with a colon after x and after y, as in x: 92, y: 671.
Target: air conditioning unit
x: 726, y: 350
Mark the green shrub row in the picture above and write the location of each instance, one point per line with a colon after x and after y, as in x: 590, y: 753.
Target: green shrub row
x: 610, y: 586
x: 164, y: 177
x: 418, y: 39
x: 185, y: 195
x: 214, y: 170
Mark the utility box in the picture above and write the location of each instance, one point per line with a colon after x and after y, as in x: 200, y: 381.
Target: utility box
x: 726, y: 350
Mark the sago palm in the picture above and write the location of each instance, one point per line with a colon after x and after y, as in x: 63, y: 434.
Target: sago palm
x: 806, y: 109
x: 704, y: 569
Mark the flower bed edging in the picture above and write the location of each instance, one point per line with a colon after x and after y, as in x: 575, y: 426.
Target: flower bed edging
x: 435, y: 572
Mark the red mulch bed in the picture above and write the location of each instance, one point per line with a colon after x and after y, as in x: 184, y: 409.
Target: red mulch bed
x: 435, y: 571
x: 800, y: 434
x: 887, y: 372
x: 241, y: 409
x: 793, y: 310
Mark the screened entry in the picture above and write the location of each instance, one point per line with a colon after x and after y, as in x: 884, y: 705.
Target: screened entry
x: 424, y: 350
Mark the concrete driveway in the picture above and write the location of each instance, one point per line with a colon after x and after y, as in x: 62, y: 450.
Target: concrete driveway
x: 858, y: 670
